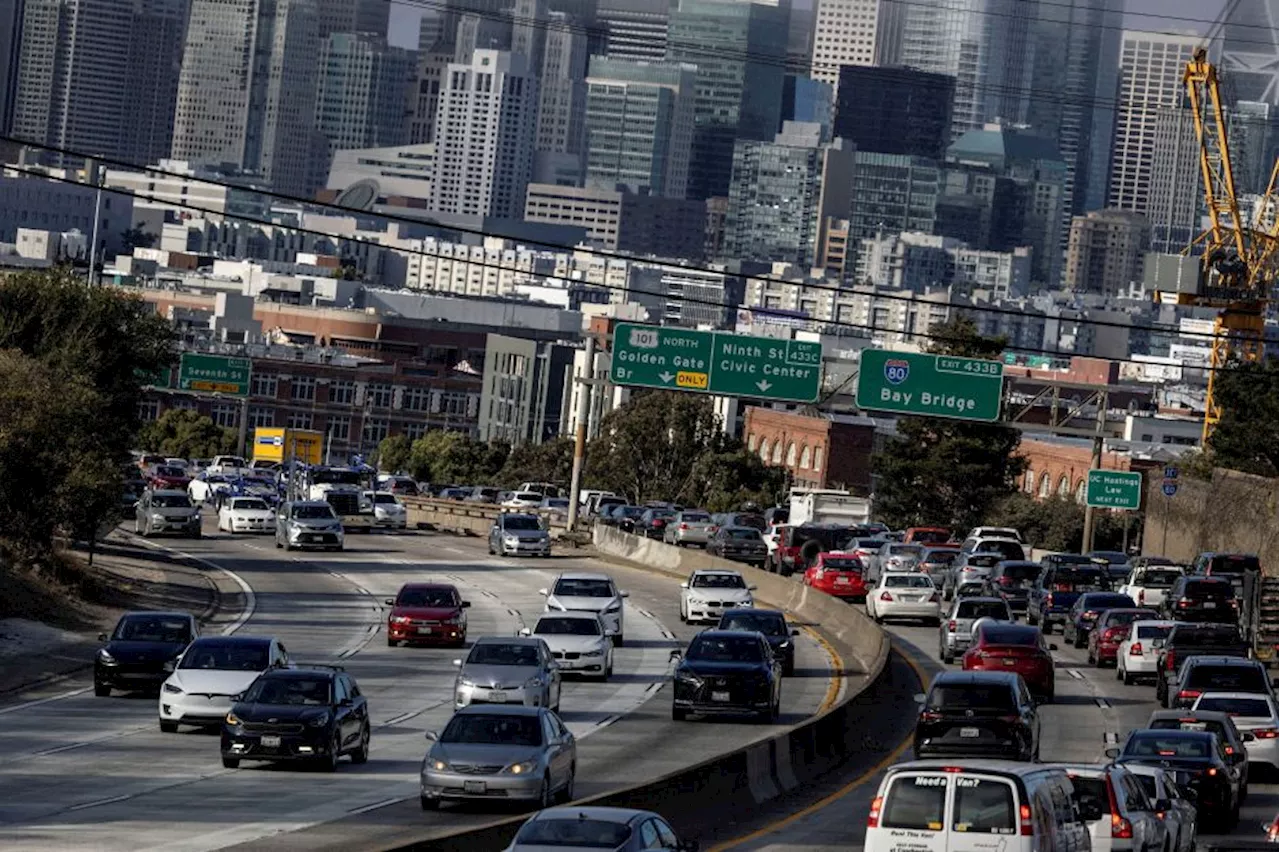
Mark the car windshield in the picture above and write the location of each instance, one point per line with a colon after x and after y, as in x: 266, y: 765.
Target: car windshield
x: 1006, y: 549
x: 1192, y: 636
x: 1248, y: 678
x: 1097, y: 602
x: 384, y: 498
x: 171, y: 501
x: 582, y: 588
x: 1207, y: 589
x: 1232, y: 563
x: 249, y: 504
x: 626, y: 511
x: 907, y: 581
x: 905, y: 549
x: 1002, y: 634
x: 982, y: 560
x: 1153, y: 631
x: 982, y: 609
x: 695, y: 517
x: 1191, y: 723
x: 725, y: 649
x: 940, y: 557
x: 970, y: 696
x: 295, y: 691
x: 842, y: 564
x: 527, y: 496
x: 1124, y: 618
x: 931, y: 536
x: 718, y: 581
x: 520, y: 522
x: 575, y: 833
x: 1157, y: 579
x: 170, y: 471
x: 744, y: 534
x: 1144, y: 744
x: 427, y: 598
x: 226, y: 656
x: 1112, y: 557
x: 1148, y: 786
x: 756, y: 522
x: 1078, y: 580
x: 557, y: 503
x: 1019, y: 573
x: 1235, y: 706
x: 768, y: 624
x: 313, y: 513
x: 1094, y: 788
x: 486, y: 729
x: 553, y: 625
x: 503, y: 654
x: 153, y: 628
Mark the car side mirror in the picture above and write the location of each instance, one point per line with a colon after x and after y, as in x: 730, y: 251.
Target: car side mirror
x: 346, y: 702
x: 102, y: 637
x: 457, y: 664
x: 684, y: 585
x: 431, y: 736
x: 1112, y: 753
x: 795, y: 632
x: 542, y: 592
x: 524, y: 631
x: 751, y: 588
x: 624, y: 594
x: 465, y: 604
x: 1090, y: 809
x: 919, y: 698
x: 390, y: 601
x: 1053, y: 646
x: 675, y: 654
x: 239, y: 696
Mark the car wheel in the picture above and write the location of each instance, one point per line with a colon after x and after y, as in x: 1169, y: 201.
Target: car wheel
x: 678, y: 715
x: 101, y: 690
x: 361, y: 754
x: 1127, y: 678
x: 1079, y: 641
x: 391, y: 643
x: 168, y: 727
x: 947, y: 656
x: 329, y: 763
x: 428, y: 804
x: 618, y: 641
x: 1048, y: 696
x: 566, y: 794
x: 230, y: 763
x: 1032, y: 620
x: 546, y: 798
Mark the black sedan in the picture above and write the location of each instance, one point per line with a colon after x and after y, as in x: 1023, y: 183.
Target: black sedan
x: 740, y: 544
x: 727, y: 672
x: 1199, y: 763
x: 770, y: 623
x: 1085, y: 611
x: 313, y: 714
x: 140, y: 652
x: 653, y: 522
x: 978, y: 714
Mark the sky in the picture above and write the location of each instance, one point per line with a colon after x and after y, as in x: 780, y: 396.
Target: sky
x: 404, y: 18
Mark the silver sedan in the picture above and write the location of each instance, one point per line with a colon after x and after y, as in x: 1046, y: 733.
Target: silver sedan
x: 500, y: 754
x: 515, y: 670
x: 593, y: 827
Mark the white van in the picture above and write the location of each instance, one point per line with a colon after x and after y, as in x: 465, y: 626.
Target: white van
x: 977, y: 806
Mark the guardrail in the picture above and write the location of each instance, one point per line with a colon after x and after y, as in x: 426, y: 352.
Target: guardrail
x: 470, y: 518
x: 695, y: 799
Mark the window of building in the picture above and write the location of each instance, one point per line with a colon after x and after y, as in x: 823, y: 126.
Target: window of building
x: 226, y: 414
x: 805, y: 458
x: 416, y: 399
x: 1080, y: 491
x: 303, y: 388
x: 1064, y: 486
x: 751, y: 442
x: 184, y: 403
x: 1044, y: 484
x: 263, y: 384
x: 339, y: 427
x: 1029, y: 481
x: 453, y: 403
x: 148, y: 410
x: 299, y: 420
x: 777, y: 451
x: 378, y: 394
x: 817, y: 457
x: 260, y: 415
x: 375, y: 429
x: 414, y: 431
x: 764, y: 450
x: 791, y: 454
x: 342, y: 392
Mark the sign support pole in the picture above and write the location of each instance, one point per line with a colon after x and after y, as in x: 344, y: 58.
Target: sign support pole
x: 580, y: 430
x: 242, y: 440
x: 1095, y: 463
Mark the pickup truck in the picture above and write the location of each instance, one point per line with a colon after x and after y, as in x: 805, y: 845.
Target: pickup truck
x: 798, y: 546
x: 1194, y: 640
x: 1056, y: 590
x: 1148, y: 586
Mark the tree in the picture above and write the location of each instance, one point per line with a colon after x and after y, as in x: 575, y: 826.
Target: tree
x: 1247, y: 438
x: 726, y: 480
x: 393, y: 453
x: 939, y: 471
x: 551, y: 461
x: 137, y: 238
x: 186, y: 434
x: 441, y: 457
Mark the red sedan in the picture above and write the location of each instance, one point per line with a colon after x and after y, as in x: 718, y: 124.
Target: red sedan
x: 839, y: 574
x: 1110, y: 630
x: 169, y: 476
x: 1006, y: 647
x: 427, y: 613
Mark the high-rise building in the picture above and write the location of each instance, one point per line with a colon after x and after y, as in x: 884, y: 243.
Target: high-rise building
x: 430, y: 29
x: 781, y: 193
x: 246, y: 95
x: 1173, y: 210
x: 895, y: 110
x: 854, y: 32
x: 891, y: 193
x: 10, y: 38
x: 360, y: 91
x: 424, y: 93
x: 480, y: 31
x: 1251, y: 138
x: 639, y: 125
x: 808, y: 101
x: 1244, y: 36
x: 618, y: 220
x: 352, y: 16
x: 985, y: 44
x: 740, y: 50
x: 635, y: 29
x: 484, y: 162
x: 562, y: 88
x: 155, y: 60
x: 1151, y: 66
x: 529, y: 30
x: 1105, y: 252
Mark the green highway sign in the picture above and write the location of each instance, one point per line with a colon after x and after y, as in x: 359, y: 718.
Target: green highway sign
x: 930, y: 385
x: 1113, y: 489
x: 716, y: 362
x: 214, y: 374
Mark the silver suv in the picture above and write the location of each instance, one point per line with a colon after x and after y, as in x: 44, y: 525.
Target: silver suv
x: 308, y: 523
x: 166, y: 511
x: 956, y: 631
x: 519, y: 534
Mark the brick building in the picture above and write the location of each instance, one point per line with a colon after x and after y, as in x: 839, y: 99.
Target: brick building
x: 1060, y: 465
x: 819, y: 451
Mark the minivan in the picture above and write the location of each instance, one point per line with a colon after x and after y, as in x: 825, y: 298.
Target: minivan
x: 972, y: 805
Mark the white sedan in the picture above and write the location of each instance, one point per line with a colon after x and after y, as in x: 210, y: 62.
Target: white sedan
x: 246, y: 515
x: 577, y: 641
x: 709, y: 592
x: 1137, y: 655
x: 1255, y: 717
x: 905, y: 596
x: 205, y: 485
x: 523, y: 500
x: 388, y: 511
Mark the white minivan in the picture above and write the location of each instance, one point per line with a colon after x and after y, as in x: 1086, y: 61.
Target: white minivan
x: 976, y: 806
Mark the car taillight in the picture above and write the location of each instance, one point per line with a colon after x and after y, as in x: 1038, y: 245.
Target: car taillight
x: 1142, y: 596
x: 1184, y: 603
x: 1266, y: 734
x: 951, y: 625
x: 1048, y: 599
x: 684, y: 526
x: 1115, y: 633
x: 1120, y: 827
x: 1169, y: 661
x: 1189, y: 693
x: 1211, y: 771
x: 936, y: 597
x: 930, y: 716
x: 1010, y: 719
x: 1136, y: 649
x: 873, y: 816
x: 885, y: 596
x: 1024, y: 816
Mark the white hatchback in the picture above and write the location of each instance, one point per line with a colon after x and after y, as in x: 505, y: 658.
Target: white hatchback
x: 905, y: 596
x: 1138, y: 653
x: 1255, y: 717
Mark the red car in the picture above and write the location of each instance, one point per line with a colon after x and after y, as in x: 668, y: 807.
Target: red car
x: 169, y: 477
x: 1007, y: 647
x: 1110, y: 630
x: 928, y: 536
x: 839, y: 574
x: 427, y: 613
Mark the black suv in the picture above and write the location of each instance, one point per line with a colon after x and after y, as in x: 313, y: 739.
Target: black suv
x: 310, y: 713
x: 653, y: 522
x: 1187, y: 640
x: 772, y: 624
x: 1198, y: 762
x: 978, y: 714
x: 730, y: 672
x: 1201, y: 674
x: 1203, y: 599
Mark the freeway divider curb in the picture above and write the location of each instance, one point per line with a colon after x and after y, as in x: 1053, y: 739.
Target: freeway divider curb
x: 696, y: 799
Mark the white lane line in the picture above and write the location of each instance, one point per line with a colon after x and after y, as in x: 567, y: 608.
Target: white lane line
x: 406, y: 716
x: 113, y: 799
x: 1111, y: 738
x: 1075, y: 674
x: 1102, y: 702
x: 384, y: 803
x: 607, y: 721
x: 60, y: 696
x: 646, y: 614
x: 250, y: 601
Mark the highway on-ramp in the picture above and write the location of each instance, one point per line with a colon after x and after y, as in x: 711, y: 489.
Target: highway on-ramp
x: 96, y: 773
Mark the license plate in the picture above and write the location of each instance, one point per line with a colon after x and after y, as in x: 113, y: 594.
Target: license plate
x: 271, y: 742
x: 1007, y: 661
x: 1210, y: 605
x: 497, y: 697
x: 969, y: 732
x: 475, y: 787
x: 1194, y: 726
x: 719, y: 696
x: 424, y: 629
x: 842, y: 581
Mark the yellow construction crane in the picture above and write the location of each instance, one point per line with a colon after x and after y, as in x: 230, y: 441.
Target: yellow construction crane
x: 1238, y: 263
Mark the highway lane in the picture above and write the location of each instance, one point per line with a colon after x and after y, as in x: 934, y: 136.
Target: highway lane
x: 1092, y: 711
x: 97, y: 772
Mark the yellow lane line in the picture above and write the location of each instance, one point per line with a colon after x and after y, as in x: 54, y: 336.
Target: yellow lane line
x: 836, y: 681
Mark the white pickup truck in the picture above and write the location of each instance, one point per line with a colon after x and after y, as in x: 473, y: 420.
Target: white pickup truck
x: 1148, y: 586
x: 822, y: 506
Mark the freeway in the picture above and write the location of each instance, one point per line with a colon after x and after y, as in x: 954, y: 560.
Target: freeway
x: 79, y: 771
x: 1092, y: 712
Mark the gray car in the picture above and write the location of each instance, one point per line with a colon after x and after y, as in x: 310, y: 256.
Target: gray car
x: 508, y: 670
x: 500, y: 754
x: 308, y: 523
x: 691, y: 526
x: 615, y: 829
x: 166, y: 511
x: 519, y: 534
x: 955, y: 633
x: 969, y: 567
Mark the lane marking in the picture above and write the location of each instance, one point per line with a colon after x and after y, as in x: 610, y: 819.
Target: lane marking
x: 406, y: 716
x: 1102, y: 702
x: 59, y: 697
x: 85, y: 805
x: 384, y: 803
x: 825, y: 801
x: 835, y: 681
x: 250, y: 600
x: 1110, y: 738
x: 1075, y: 674
x: 607, y: 721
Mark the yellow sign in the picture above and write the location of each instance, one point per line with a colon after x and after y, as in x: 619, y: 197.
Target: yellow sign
x: 691, y: 380
x: 278, y: 445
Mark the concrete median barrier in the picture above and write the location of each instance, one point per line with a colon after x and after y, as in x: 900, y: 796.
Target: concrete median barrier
x: 696, y: 799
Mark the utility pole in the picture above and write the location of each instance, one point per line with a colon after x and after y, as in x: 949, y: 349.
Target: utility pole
x: 91, y: 170
x: 243, y: 438
x: 1095, y: 463
x: 580, y: 428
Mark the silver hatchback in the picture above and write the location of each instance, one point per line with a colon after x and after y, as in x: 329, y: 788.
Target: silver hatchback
x: 689, y: 527
x: 955, y: 633
x: 508, y: 670
x: 166, y: 511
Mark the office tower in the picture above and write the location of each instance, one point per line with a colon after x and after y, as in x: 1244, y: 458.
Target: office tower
x: 1077, y: 57
x: 639, y: 125
x: 895, y: 110
x: 985, y: 44
x: 484, y: 163
x: 1251, y: 138
x: 480, y: 32
x: 360, y: 91
x: 854, y: 32
x: 10, y: 39
x: 1151, y: 66
x: 740, y: 50
x: 782, y: 191
x: 808, y: 101
x: 892, y: 193
x: 562, y: 89
x: 424, y: 93
x: 1105, y: 252
x: 635, y: 29
x: 155, y: 61
x: 1176, y: 194
x: 352, y: 16
x: 246, y: 95
x: 430, y: 30
x: 529, y: 30
x: 1244, y: 36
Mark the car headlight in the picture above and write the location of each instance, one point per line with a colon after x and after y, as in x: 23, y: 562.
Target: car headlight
x: 786, y: 643
x: 594, y: 652
x: 697, y: 602
x: 614, y: 607
x: 233, y: 719
x: 105, y: 656
x: 171, y: 689
x: 533, y: 682
x: 401, y: 619
x: 748, y: 601
x: 319, y: 721
x: 453, y: 619
x: 466, y: 683
x: 689, y: 678
x: 437, y: 764
x: 157, y: 517
x: 524, y: 767
x: 509, y: 539
x: 554, y: 605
